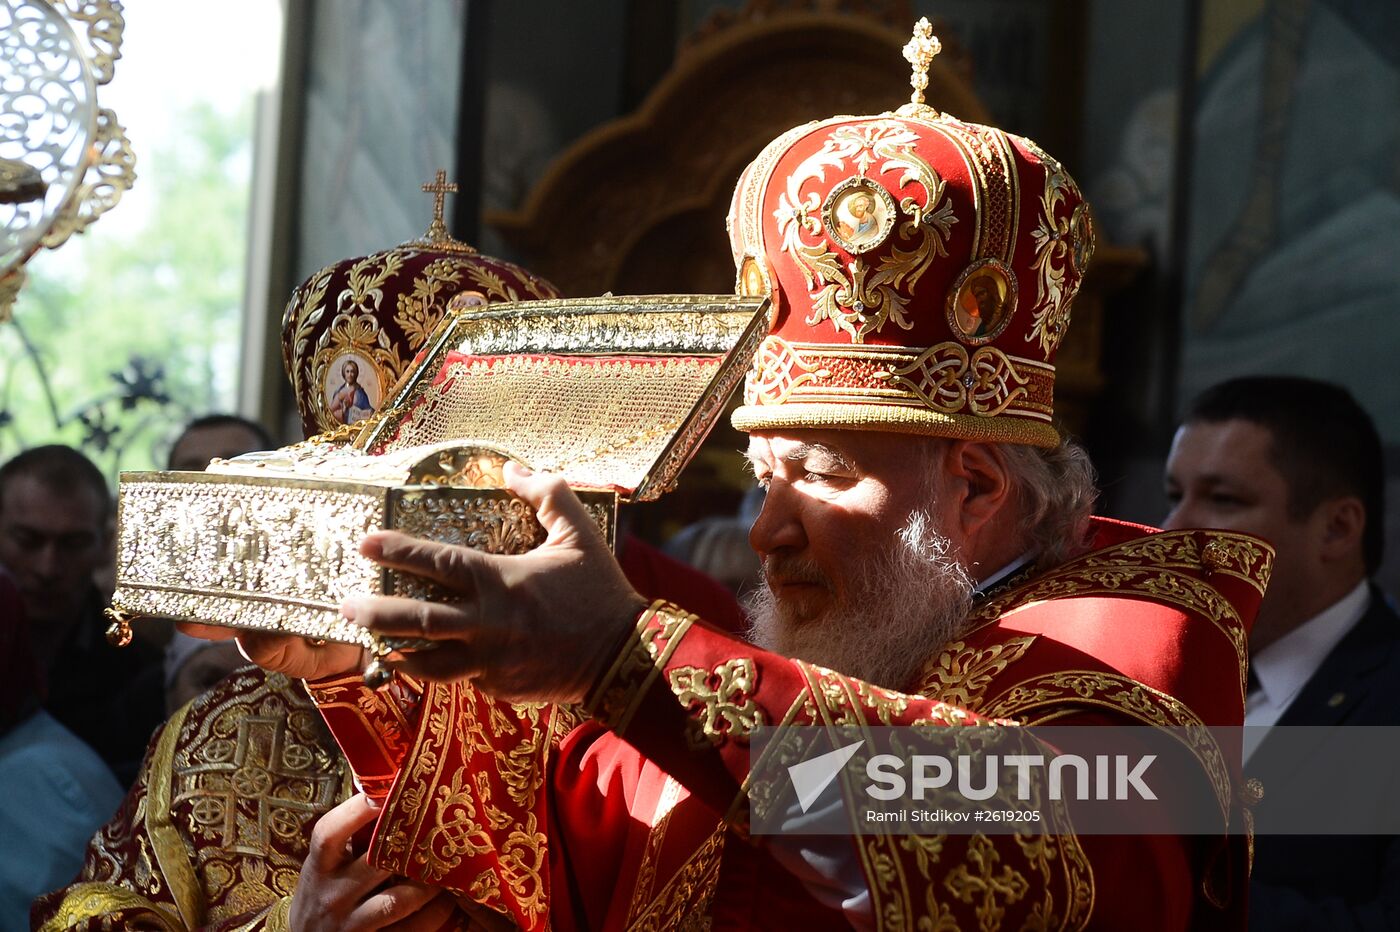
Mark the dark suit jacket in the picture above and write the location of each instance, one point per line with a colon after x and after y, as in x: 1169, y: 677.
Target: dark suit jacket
x: 1327, y: 881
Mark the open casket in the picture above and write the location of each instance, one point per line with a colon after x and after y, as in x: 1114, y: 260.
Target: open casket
x: 613, y: 393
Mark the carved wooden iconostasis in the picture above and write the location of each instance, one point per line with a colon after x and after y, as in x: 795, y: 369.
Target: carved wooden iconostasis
x: 638, y: 205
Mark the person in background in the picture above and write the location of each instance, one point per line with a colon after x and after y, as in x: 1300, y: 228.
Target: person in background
x: 216, y: 436
x: 718, y: 546
x: 1298, y: 462
x: 191, y: 665
x: 54, y: 534
x: 57, y: 790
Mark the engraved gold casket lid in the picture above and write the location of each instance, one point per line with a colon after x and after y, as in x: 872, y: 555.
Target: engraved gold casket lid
x: 610, y: 392
x: 613, y: 393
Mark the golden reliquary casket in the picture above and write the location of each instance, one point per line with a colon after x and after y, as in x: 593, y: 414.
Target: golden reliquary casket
x: 614, y: 393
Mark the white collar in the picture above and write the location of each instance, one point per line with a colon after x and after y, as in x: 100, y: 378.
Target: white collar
x: 1288, y: 663
x: 1002, y: 573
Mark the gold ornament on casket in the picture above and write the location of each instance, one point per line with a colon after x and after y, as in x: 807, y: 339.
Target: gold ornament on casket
x: 614, y: 393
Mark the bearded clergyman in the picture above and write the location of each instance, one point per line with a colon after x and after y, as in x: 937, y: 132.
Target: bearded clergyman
x: 929, y: 557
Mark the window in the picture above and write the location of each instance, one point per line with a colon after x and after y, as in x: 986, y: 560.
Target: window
x: 133, y: 327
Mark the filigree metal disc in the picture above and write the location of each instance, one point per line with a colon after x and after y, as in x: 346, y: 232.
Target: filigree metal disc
x: 48, y: 118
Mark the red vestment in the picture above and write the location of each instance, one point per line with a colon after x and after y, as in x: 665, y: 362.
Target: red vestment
x: 635, y: 820
x: 214, y: 832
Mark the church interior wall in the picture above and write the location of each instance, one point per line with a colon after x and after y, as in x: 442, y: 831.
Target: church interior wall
x: 1101, y: 82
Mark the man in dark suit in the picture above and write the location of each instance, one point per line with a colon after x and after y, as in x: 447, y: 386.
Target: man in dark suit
x: 1298, y: 462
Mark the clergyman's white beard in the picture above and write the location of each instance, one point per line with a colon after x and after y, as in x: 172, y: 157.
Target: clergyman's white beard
x: 906, y: 603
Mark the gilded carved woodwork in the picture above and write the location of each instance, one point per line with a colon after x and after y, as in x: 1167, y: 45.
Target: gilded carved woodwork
x: 726, y: 97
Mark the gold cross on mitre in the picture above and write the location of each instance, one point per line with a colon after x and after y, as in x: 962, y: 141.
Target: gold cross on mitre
x: 439, y: 189
x: 919, y: 53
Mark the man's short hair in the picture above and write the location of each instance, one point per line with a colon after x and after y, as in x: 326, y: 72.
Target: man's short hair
x: 265, y: 441
x: 60, y: 468
x: 1325, y: 445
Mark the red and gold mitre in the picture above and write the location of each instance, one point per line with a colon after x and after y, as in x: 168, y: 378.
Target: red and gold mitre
x: 374, y: 313
x: 921, y: 271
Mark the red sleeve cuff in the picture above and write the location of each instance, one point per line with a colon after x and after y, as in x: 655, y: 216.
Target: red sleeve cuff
x: 374, y: 728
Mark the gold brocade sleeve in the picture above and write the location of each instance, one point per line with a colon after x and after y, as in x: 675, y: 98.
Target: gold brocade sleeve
x: 374, y: 728
x: 689, y: 697
x: 462, y: 778
x: 213, y: 833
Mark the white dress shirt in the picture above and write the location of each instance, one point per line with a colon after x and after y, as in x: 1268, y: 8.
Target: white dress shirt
x: 1286, y: 665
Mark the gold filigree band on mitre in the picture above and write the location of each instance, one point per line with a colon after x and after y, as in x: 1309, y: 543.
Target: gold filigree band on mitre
x: 947, y: 389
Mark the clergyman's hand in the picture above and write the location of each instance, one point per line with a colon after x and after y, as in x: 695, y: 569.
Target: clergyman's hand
x: 539, y: 626
x: 285, y: 653
x: 297, y: 656
x: 339, y: 890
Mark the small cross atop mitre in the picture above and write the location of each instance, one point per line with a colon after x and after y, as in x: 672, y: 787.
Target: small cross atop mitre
x: 437, y: 235
x: 439, y: 188
x: 919, y: 52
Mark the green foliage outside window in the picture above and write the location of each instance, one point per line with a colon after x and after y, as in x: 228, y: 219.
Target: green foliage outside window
x: 130, y: 329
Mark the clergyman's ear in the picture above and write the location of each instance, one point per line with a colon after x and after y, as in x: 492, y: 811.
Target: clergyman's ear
x: 978, y: 483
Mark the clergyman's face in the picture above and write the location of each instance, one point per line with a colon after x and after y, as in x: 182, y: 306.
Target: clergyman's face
x: 858, y: 576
